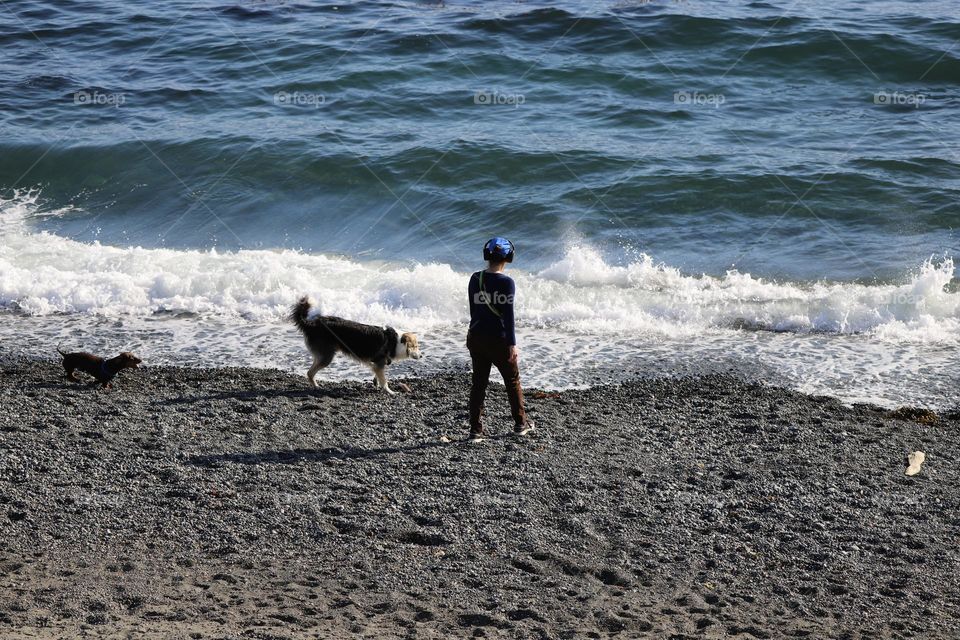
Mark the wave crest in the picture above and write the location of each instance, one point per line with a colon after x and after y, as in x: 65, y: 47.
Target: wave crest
x: 43, y: 274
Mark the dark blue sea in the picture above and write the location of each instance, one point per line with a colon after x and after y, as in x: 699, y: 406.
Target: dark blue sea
x: 769, y: 188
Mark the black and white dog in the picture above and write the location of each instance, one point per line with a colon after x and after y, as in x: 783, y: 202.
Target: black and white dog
x: 375, y: 347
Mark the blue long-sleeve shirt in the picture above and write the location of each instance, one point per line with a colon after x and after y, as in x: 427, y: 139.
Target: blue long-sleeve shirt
x: 500, y: 291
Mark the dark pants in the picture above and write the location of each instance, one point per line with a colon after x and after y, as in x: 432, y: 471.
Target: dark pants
x: 484, y: 352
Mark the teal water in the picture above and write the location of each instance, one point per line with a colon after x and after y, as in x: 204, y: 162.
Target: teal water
x: 765, y: 185
x: 707, y: 135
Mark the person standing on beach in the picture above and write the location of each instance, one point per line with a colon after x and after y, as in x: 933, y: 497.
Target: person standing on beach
x: 491, y: 338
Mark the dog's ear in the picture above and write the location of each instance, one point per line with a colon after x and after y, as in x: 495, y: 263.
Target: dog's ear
x: 403, y: 339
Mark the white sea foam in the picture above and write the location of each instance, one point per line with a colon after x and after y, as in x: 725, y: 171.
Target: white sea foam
x: 644, y: 295
x: 42, y: 274
x: 632, y: 306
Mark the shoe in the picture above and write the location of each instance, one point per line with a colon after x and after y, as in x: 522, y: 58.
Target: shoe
x: 477, y: 436
x: 524, y: 429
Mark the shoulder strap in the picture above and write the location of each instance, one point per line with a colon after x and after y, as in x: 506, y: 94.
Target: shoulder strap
x: 486, y: 297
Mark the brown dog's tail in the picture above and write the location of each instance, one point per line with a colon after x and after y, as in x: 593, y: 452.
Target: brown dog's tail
x: 60, y: 352
x: 298, y: 314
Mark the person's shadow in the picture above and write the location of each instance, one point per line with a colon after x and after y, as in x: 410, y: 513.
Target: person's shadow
x: 295, y: 456
x: 339, y: 392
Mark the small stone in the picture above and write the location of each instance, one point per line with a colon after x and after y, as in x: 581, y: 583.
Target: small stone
x: 915, y: 459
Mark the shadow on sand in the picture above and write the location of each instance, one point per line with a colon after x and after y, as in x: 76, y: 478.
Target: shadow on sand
x: 294, y: 456
x: 266, y: 394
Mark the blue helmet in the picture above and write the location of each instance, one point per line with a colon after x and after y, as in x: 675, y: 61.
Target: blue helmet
x: 498, y: 249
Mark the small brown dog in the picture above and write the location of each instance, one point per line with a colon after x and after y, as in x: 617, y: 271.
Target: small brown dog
x: 103, y: 370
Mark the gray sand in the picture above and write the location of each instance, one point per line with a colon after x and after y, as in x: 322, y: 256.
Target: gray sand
x: 239, y: 503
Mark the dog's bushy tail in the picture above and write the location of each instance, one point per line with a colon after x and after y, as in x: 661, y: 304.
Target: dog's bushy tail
x: 298, y: 314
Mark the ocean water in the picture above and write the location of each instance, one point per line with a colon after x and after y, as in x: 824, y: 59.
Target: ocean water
x: 763, y: 187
